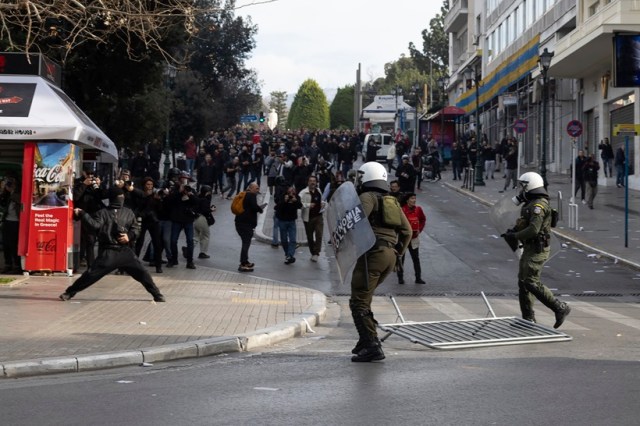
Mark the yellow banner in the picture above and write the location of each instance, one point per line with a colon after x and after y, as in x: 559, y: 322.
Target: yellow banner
x: 626, y: 129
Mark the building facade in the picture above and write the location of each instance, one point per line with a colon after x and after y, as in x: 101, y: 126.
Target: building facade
x: 500, y: 43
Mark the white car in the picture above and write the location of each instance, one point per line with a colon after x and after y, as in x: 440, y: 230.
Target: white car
x: 385, y: 140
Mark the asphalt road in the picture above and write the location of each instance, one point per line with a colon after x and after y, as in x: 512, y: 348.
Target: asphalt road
x: 309, y: 381
x: 594, y: 379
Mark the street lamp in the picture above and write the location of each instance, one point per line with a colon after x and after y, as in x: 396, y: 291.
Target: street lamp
x: 170, y: 75
x: 472, y: 73
x: 544, y: 62
x: 443, y: 82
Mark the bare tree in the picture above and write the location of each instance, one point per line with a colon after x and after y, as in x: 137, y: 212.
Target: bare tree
x: 28, y: 25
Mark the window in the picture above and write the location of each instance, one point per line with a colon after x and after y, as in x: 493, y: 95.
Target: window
x: 530, y: 12
x: 509, y: 32
x: 492, y: 45
x: 539, y: 9
x: 593, y: 9
x: 520, y: 27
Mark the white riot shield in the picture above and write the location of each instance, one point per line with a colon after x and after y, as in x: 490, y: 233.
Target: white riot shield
x: 349, y: 229
x: 503, y: 215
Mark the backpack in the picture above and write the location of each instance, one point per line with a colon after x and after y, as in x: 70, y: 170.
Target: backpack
x: 389, y: 212
x: 237, y: 204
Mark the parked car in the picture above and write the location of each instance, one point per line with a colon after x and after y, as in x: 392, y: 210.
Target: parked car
x: 385, y: 140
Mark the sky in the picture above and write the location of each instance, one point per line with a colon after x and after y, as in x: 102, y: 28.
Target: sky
x: 326, y: 39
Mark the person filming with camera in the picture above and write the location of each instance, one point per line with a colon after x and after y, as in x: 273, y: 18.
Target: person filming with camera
x: 88, y: 195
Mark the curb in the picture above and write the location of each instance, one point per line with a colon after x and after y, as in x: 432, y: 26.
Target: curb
x: 557, y: 232
x: 294, y: 327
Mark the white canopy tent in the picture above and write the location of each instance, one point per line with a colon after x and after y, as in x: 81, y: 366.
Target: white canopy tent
x: 32, y: 109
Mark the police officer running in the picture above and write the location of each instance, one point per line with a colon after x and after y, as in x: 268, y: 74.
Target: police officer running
x: 373, y: 267
x: 533, y: 229
x: 116, y: 227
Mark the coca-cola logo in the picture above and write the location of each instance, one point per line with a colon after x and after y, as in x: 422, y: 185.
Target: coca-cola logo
x: 47, y: 246
x: 49, y: 174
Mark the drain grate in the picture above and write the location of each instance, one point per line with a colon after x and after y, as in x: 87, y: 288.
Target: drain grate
x: 475, y: 333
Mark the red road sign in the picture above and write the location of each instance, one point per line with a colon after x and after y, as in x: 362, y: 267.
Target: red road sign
x: 520, y: 125
x: 574, y: 128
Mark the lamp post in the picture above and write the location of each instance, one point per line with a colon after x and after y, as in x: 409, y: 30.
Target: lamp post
x: 170, y: 74
x: 544, y: 62
x: 473, y: 74
x: 397, y: 91
x: 416, y: 90
x: 443, y: 82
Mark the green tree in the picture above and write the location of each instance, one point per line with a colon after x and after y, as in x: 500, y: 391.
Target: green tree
x: 341, y: 109
x: 219, y: 56
x: 433, y: 59
x: 310, y: 108
x: 278, y: 103
x: 402, y: 73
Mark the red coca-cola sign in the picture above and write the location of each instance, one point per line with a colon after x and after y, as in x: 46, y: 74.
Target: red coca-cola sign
x: 48, y: 246
x: 49, y: 174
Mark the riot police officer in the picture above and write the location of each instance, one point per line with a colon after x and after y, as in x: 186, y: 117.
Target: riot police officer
x: 373, y: 267
x: 533, y: 229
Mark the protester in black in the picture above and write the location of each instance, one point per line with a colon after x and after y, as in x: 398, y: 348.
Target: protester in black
x: 115, y: 226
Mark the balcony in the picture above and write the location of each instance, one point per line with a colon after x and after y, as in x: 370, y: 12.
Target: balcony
x: 456, y: 18
x: 588, y: 48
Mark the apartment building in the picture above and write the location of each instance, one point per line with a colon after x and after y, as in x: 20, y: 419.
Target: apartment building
x: 497, y: 44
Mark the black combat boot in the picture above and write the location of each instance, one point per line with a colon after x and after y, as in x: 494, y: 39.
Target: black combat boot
x: 562, y: 310
x: 360, y: 328
x: 372, y: 351
x: 359, y: 320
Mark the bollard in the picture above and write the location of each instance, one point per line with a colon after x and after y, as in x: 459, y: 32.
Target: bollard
x: 573, y: 216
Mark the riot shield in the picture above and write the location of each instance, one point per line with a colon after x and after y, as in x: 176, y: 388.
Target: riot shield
x: 349, y: 229
x: 503, y: 215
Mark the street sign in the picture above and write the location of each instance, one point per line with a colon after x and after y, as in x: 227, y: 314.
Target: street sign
x: 248, y: 118
x: 574, y: 128
x: 626, y: 130
x: 520, y: 125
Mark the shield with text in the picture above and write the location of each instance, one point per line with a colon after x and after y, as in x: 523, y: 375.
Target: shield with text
x: 349, y: 229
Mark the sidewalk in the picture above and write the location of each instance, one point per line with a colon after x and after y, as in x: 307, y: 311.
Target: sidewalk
x: 600, y: 230
x: 115, y: 323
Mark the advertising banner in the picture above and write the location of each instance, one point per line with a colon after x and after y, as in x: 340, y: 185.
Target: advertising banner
x: 50, y: 206
x: 349, y: 228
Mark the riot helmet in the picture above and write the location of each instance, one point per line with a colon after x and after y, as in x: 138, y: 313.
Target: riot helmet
x: 373, y: 176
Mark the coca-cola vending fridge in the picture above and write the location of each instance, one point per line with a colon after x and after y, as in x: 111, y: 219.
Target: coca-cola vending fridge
x: 46, y: 222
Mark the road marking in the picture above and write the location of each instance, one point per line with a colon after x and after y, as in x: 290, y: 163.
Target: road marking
x: 607, y: 314
x: 258, y: 301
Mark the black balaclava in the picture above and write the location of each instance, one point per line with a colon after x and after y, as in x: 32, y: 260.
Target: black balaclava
x: 116, y: 198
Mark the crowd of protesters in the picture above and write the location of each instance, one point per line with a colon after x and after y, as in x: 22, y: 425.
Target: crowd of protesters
x: 221, y: 165
x: 301, y: 170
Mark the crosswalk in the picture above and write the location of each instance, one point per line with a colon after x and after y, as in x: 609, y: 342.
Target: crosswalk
x: 583, y: 316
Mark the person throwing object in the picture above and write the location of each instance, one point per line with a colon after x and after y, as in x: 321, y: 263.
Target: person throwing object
x: 115, y: 226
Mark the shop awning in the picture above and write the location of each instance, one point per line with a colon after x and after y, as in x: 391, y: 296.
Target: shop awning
x: 449, y: 112
x: 32, y: 109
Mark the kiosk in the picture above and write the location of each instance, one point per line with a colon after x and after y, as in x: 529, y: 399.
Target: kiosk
x: 44, y: 132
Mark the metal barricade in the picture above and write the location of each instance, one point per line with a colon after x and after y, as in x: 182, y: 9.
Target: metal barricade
x: 472, y: 333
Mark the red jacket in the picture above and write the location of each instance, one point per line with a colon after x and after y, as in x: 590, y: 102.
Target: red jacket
x: 416, y: 218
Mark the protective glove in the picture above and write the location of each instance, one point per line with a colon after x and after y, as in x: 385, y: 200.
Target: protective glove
x: 510, y: 238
